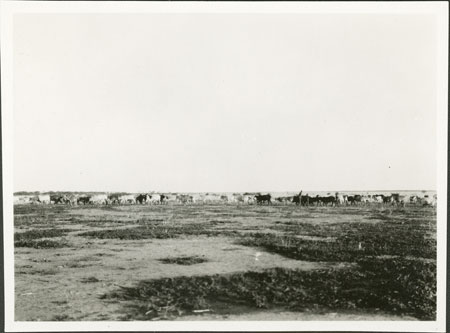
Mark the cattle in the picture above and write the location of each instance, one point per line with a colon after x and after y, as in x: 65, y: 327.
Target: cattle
x: 154, y: 199
x: 71, y: 199
x: 44, y: 198
x: 297, y: 199
x: 261, y: 199
x: 57, y: 199
x: 164, y: 199
x: 328, y: 200
x: 400, y: 199
x: 23, y: 199
x: 114, y: 198
x: 366, y: 199
x: 429, y: 201
x: 185, y: 198
x: 387, y: 199
x: 414, y: 199
x: 210, y: 198
x: 340, y: 199
x: 142, y: 198
x: 354, y: 199
x: 127, y: 199
x: 378, y: 198
x: 98, y: 199
x: 224, y: 198
x: 249, y: 199
x: 312, y: 200
x: 85, y: 199
x: 238, y: 198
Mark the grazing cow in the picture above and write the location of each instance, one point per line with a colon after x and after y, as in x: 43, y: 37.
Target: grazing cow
x: 340, y: 199
x: 142, y: 198
x: 57, y: 199
x: 238, y: 198
x: 328, y: 200
x: 429, y: 201
x: 354, y: 199
x: 297, y: 199
x: 387, y: 199
x: 85, y: 199
x: 154, y: 199
x: 261, y: 199
x: 22, y: 199
x: 98, y: 199
x: 114, y: 198
x: 249, y: 199
x: 414, y: 199
x: 210, y: 198
x: 224, y: 198
x: 44, y: 198
x: 72, y: 199
x: 185, y: 198
x: 312, y: 200
x: 378, y: 198
x: 127, y: 199
x: 164, y: 199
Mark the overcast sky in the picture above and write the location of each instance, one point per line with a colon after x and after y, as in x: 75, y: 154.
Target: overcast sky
x: 224, y: 102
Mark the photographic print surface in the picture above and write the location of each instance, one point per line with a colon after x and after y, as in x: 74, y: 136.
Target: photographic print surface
x: 194, y: 163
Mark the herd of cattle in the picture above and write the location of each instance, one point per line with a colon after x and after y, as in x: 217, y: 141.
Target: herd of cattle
x: 247, y: 198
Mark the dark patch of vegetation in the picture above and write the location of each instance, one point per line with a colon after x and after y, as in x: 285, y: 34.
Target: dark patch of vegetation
x: 183, y: 260
x: 62, y: 317
x: 45, y: 271
x: 393, y: 236
x: 40, y: 233
x: 90, y: 279
x: 156, y: 231
x: 411, y: 290
x: 41, y: 244
x: 60, y: 302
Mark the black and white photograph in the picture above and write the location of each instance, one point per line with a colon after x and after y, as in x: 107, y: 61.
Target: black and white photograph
x: 224, y: 166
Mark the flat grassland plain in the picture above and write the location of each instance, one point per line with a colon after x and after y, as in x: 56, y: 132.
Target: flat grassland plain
x: 224, y: 262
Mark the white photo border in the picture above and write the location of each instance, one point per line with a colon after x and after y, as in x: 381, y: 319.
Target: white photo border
x: 10, y: 8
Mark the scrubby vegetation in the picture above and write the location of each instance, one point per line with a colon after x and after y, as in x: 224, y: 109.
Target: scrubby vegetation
x: 370, y: 286
x: 156, y: 231
x: 40, y: 233
x: 41, y: 244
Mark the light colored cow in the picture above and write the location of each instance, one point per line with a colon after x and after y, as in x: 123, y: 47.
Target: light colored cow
x: 238, y: 198
x: 249, y: 199
x: 99, y: 199
x: 429, y: 201
x: 23, y: 199
x: 44, y: 198
x: 154, y: 199
x: 211, y: 198
x: 127, y: 199
x: 340, y: 199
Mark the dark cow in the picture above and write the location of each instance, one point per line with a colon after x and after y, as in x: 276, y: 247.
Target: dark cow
x: 328, y: 200
x: 58, y: 199
x: 84, y: 200
x: 314, y: 200
x: 261, y: 199
x: 297, y: 199
x: 141, y: 198
x: 387, y: 198
x: 305, y: 200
